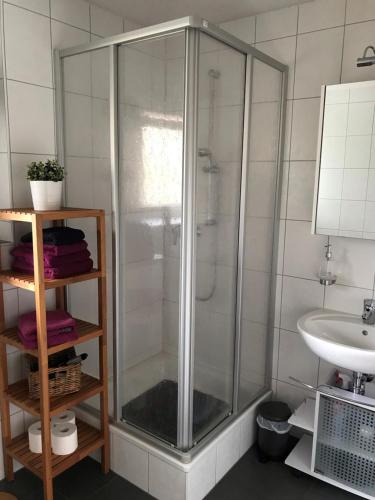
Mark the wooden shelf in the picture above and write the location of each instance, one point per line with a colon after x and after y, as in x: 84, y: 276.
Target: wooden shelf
x: 89, y: 440
x: 46, y: 465
x: 18, y: 394
x: 26, y: 214
x: 26, y: 281
x: 86, y: 331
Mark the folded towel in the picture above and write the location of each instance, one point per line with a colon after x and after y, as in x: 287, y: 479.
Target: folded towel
x: 57, y: 236
x: 52, y: 339
x: 69, y: 269
x: 57, y: 322
x: 49, y: 260
x: 56, y: 250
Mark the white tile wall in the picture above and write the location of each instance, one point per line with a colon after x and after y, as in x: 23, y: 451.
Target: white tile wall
x: 27, y: 47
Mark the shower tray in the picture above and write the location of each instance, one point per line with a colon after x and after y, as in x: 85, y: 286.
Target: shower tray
x: 155, y: 411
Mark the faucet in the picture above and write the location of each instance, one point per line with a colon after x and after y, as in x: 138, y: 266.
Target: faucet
x: 368, y: 315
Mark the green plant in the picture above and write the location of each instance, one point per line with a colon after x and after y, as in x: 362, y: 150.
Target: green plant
x: 50, y: 170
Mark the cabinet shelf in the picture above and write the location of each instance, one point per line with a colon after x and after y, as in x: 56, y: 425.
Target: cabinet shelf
x: 89, y: 440
x: 86, y: 331
x: 26, y: 281
x: 18, y: 394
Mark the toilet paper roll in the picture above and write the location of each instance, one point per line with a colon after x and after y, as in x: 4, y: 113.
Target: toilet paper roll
x: 35, y: 437
x: 66, y: 417
x: 64, y: 439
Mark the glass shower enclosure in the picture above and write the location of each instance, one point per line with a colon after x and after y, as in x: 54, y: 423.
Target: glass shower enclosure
x: 180, y: 126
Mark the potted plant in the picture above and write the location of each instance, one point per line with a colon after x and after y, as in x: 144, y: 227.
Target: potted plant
x: 46, y: 184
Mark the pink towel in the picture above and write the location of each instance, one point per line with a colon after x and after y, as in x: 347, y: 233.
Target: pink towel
x: 52, y: 339
x: 57, y: 322
x: 68, y: 269
x: 57, y: 249
x: 49, y: 260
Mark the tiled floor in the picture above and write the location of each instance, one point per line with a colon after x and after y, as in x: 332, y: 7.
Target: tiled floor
x: 249, y: 479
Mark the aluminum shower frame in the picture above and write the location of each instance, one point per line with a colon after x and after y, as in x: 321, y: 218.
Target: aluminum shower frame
x: 192, y: 26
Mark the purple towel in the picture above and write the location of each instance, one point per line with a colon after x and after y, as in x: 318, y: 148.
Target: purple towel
x: 53, y: 338
x: 57, y: 322
x: 68, y: 269
x: 57, y: 250
x: 49, y: 260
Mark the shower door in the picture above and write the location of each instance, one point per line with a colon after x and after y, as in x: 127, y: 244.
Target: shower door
x: 221, y: 92
x: 150, y: 124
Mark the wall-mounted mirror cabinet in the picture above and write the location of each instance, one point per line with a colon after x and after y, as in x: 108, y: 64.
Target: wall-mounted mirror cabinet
x: 345, y: 176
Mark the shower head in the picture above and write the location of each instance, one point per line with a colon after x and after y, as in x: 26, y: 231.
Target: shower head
x: 214, y: 73
x: 366, y: 60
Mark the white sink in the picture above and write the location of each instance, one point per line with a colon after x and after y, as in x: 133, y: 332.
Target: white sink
x: 340, y: 339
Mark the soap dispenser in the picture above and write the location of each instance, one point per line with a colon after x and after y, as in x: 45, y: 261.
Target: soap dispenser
x: 327, y: 274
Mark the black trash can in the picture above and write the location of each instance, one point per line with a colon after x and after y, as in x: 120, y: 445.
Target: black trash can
x: 273, y: 430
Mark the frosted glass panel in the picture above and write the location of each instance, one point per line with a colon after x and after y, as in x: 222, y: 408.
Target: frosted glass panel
x: 220, y: 124
x: 150, y: 182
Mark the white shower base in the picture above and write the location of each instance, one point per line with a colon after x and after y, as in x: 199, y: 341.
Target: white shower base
x: 167, y: 478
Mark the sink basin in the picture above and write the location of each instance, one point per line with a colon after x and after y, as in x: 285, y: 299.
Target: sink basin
x: 340, y: 338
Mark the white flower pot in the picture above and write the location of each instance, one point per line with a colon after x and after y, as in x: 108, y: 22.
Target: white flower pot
x: 46, y: 195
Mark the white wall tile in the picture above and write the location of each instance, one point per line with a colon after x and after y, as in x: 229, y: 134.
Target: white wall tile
x: 346, y: 298
x: 166, y: 481
x: 104, y: 23
x: 276, y: 24
x: 28, y: 105
x: 256, y: 294
x: 303, y: 365
x: 261, y: 189
x: 301, y: 190
x: 350, y: 255
x: 77, y: 69
x: 283, y: 50
x: 130, y: 462
x: 321, y: 14
x: 40, y: 6
x: 243, y: 28
x: 293, y: 395
x: 303, y: 251
x: 78, y: 125
x: 357, y: 37
x: 74, y: 12
x: 359, y: 10
x: 317, y: 50
x: 263, y: 131
x: 80, y: 171
x: 300, y: 296
x: 258, y: 244
x: 305, y: 131
x: 27, y: 46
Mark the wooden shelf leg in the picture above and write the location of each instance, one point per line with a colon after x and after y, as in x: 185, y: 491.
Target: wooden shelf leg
x: 5, y: 420
x: 5, y: 413
x: 40, y: 306
x: 103, y: 354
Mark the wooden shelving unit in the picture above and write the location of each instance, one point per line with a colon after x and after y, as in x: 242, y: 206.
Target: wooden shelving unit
x: 47, y: 465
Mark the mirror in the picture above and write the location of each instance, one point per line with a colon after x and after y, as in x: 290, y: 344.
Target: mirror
x: 345, y: 180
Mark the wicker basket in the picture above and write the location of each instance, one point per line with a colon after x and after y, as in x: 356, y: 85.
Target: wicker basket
x: 61, y: 380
